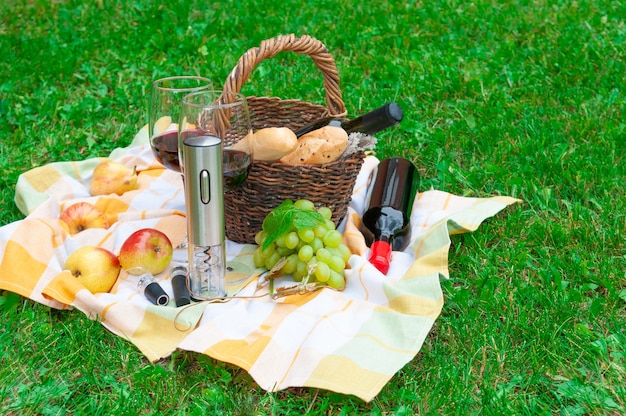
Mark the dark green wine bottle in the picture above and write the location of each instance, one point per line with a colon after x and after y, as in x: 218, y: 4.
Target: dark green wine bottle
x: 370, y: 123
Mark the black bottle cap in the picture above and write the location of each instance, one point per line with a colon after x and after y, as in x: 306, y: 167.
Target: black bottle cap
x: 179, y: 286
x: 155, y: 294
x: 394, y: 112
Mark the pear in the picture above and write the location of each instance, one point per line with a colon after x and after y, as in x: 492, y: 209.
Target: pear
x: 82, y: 215
x: 111, y: 177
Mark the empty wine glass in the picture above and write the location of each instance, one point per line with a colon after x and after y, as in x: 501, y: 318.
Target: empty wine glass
x: 223, y: 115
x: 164, y: 113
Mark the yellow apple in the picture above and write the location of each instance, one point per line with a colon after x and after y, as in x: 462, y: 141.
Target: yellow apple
x: 111, y: 177
x: 147, y: 249
x: 82, y: 215
x: 95, y: 267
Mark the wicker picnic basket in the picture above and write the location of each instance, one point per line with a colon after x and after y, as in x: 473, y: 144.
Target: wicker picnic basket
x: 269, y: 183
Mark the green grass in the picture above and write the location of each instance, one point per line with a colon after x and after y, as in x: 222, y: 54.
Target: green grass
x: 525, y: 99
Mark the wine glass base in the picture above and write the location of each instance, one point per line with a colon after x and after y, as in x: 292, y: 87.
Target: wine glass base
x: 180, y: 254
x: 183, y: 244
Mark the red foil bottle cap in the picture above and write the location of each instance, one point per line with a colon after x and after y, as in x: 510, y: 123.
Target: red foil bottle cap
x: 380, y: 255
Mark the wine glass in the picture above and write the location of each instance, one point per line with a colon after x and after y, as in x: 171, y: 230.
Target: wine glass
x: 223, y: 115
x: 164, y: 112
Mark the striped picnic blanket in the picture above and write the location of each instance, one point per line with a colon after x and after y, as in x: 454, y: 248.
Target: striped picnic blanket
x: 350, y: 342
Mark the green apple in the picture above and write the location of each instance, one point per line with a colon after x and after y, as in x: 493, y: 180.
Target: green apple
x: 95, y: 267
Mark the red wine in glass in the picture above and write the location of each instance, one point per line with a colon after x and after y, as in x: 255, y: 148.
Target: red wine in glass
x: 236, y: 165
x: 165, y: 147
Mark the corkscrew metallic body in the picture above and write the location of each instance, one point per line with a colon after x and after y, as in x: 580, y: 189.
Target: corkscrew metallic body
x: 204, y: 195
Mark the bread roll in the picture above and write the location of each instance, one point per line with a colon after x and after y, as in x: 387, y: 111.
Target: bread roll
x: 272, y: 143
x: 320, y: 146
x: 268, y: 144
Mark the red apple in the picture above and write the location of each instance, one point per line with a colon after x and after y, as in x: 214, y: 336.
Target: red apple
x: 97, y: 268
x: 82, y: 215
x: 148, y: 249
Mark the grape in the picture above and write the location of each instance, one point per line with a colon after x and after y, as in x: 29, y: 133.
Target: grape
x: 329, y: 225
x: 320, y: 231
x: 291, y: 264
x: 283, y: 251
x: 317, y: 244
x: 299, y: 246
x: 305, y: 253
x: 325, y: 212
x: 298, y: 275
x: 306, y: 234
x: 333, y: 238
x: 291, y: 240
x: 301, y: 268
x: 336, y: 280
x: 280, y: 241
x: 337, y: 264
x: 258, y: 258
x: 322, y: 272
x: 323, y: 255
x: 345, y: 252
x: 272, y: 260
x: 342, y: 251
x: 268, y: 251
x: 259, y: 237
x: 304, y: 204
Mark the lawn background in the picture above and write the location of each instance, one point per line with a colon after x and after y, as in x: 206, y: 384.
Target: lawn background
x: 518, y: 98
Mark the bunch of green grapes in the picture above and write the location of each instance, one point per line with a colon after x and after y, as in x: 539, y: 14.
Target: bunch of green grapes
x: 307, y: 240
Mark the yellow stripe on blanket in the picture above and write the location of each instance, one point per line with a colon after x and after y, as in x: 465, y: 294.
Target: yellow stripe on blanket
x: 340, y: 374
x: 239, y: 352
x: 20, y: 270
x: 43, y: 178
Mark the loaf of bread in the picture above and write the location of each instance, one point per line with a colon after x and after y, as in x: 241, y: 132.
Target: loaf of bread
x: 320, y: 146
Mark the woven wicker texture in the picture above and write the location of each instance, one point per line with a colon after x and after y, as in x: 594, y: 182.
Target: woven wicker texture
x: 268, y: 184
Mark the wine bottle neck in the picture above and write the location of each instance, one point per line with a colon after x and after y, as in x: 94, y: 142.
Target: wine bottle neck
x: 385, y: 236
x: 375, y: 121
x: 369, y: 123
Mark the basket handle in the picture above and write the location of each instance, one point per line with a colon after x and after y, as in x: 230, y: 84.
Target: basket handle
x: 305, y: 45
